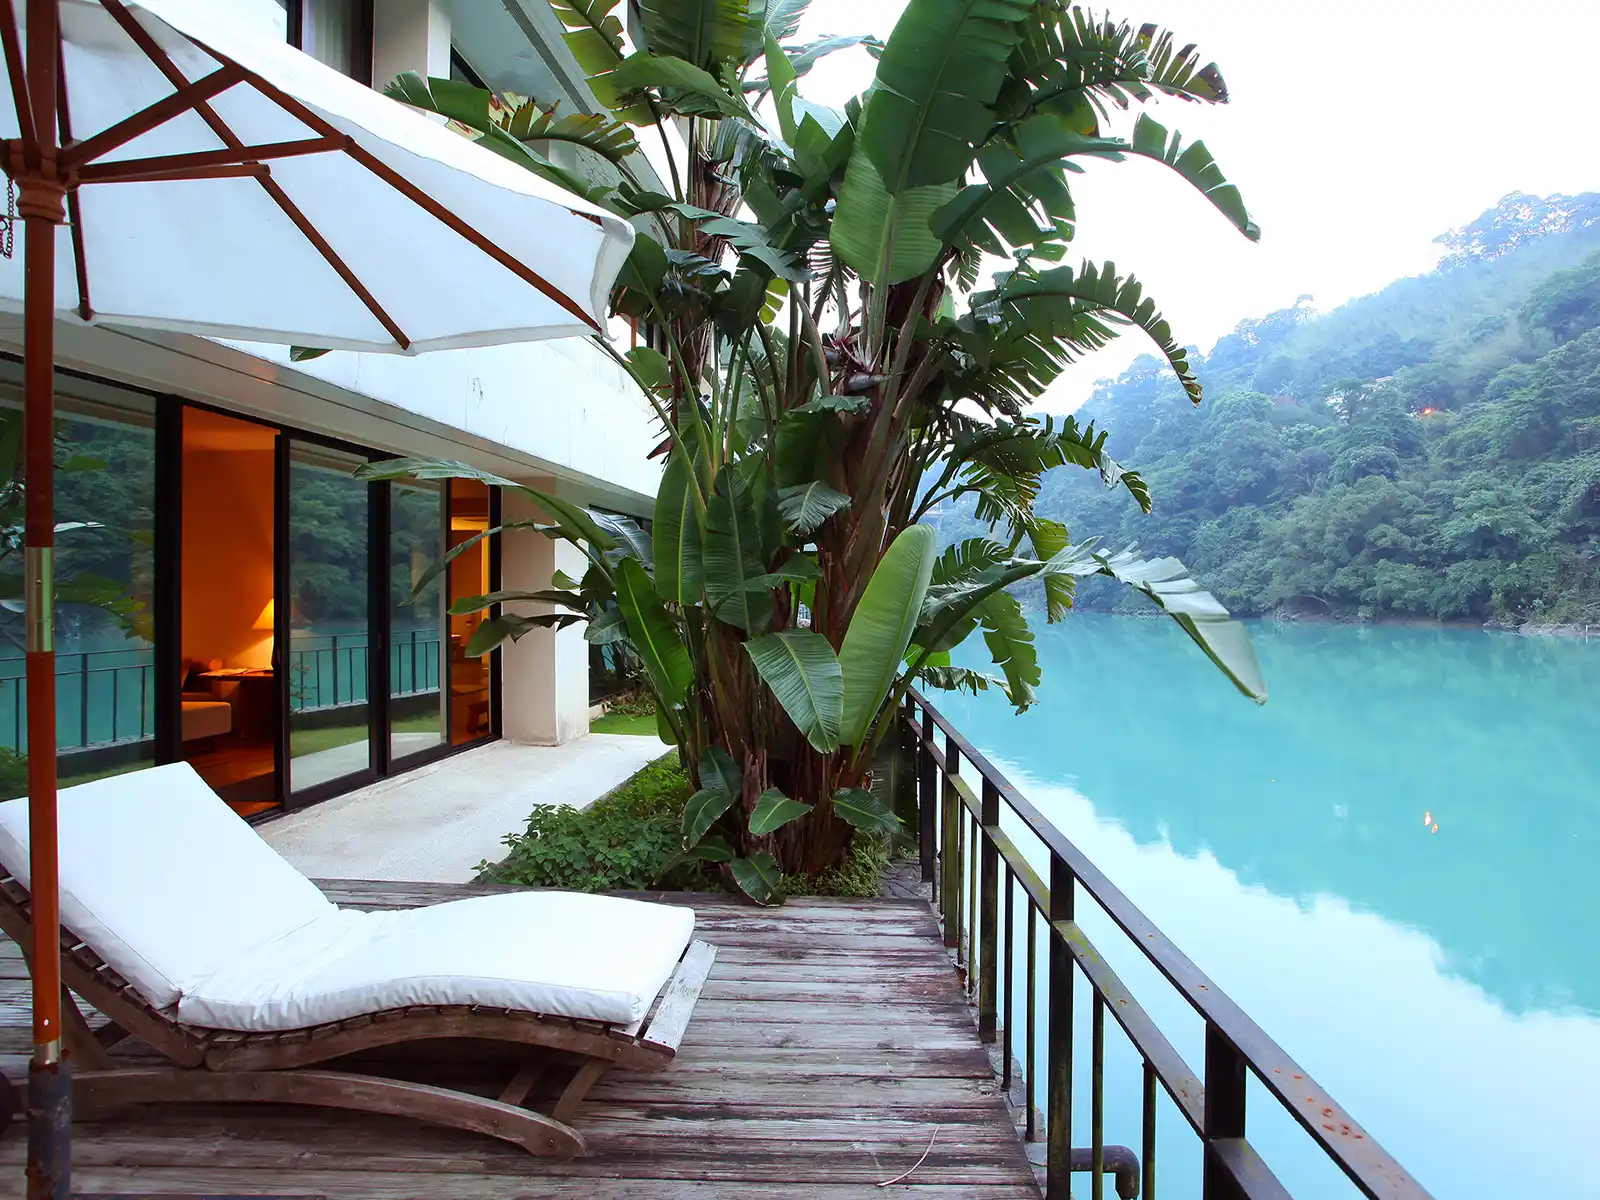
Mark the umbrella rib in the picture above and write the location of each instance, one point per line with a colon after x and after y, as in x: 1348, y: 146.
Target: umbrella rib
x: 19, y: 86
x: 189, y: 95
x: 421, y: 199
x: 153, y: 51
x: 175, y: 166
x: 74, y: 210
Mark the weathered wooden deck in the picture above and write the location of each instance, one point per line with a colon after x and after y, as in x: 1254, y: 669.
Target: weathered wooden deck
x: 830, y: 1046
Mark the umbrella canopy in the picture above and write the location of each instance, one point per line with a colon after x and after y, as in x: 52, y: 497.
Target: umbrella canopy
x: 215, y: 185
x: 287, y: 203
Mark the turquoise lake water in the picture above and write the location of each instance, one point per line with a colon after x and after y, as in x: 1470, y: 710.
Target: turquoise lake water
x: 1443, y: 986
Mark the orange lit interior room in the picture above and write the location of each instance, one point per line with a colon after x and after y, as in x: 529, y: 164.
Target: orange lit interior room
x: 229, y: 710
x: 469, y: 576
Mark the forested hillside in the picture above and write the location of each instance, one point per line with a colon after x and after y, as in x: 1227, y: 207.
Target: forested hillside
x: 1432, y: 450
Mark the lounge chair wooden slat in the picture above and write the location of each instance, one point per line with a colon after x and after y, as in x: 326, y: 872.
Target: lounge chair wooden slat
x: 678, y: 998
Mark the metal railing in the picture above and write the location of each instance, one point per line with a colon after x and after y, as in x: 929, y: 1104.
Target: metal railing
x: 978, y: 873
x: 108, y: 697
x: 102, y: 699
x: 330, y: 670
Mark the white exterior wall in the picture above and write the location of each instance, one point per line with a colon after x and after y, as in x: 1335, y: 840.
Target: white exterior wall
x: 544, y: 677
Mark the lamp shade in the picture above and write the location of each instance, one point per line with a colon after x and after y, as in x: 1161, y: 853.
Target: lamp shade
x: 268, y: 618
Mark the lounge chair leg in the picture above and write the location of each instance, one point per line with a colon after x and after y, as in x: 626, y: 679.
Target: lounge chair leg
x: 522, y: 1082
x: 534, y: 1132
x: 11, y: 1102
x: 81, y: 1041
x: 588, y: 1075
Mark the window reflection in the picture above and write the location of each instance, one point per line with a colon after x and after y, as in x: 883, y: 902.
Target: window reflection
x: 105, y: 574
x: 417, y: 710
x: 329, y: 716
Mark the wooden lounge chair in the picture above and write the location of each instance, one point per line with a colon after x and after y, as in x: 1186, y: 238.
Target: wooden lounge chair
x: 287, y: 1065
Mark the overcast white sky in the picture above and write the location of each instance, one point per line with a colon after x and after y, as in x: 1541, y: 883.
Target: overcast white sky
x: 1358, y: 130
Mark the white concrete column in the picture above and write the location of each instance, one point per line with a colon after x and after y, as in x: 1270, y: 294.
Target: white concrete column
x: 409, y: 35
x: 544, y: 678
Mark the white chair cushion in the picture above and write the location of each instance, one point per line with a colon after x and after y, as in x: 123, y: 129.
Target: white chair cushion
x: 163, y: 880
x: 563, y: 953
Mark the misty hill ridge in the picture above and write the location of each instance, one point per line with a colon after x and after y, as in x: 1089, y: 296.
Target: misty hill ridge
x: 1431, y: 450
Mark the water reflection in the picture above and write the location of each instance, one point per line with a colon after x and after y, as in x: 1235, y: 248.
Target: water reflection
x: 1442, y: 985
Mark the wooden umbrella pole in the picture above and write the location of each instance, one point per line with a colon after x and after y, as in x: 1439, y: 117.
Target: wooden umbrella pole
x: 40, y: 204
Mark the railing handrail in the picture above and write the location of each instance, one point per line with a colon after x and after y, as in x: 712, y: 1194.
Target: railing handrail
x: 1371, y: 1168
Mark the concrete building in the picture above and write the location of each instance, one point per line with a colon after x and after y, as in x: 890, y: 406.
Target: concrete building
x: 233, y: 597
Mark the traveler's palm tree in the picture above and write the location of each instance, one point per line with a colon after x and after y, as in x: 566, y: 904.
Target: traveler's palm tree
x: 828, y: 365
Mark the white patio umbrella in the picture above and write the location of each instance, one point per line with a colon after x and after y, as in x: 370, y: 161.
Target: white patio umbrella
x: 220, y: 185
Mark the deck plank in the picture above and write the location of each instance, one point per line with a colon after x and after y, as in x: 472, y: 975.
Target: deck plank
x: 830, y: 1045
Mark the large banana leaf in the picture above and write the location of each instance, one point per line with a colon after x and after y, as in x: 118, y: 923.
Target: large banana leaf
x: 1071, y: 62
x: 685, y: 87
x: 630, y: 537
x: 654, y: 636
x: 1049, y: 538
x: 472, y: 604
x: 779, y: 19
x: 1010, y: 641
x: 706, y: 33
x: 1019, y: 177
x: 1197, y: 166
x: 781, y: 77
x: 804, y: 675
x: 866, y: 812
x: 807, y: 505
x: 940, y: 73
x: 595, y: 34
x: 732, y: 555
x: 492, y: 632
x: 885, y: 238
x: 702, y: 811
x: 758, y: 877
x: 803, y: 58
x: 1197, y: 612
x: 571, y: 521
x: 773, y: 811
x: 881, y: 628
x: 469, y: 107
x: 719, y: 772
x: 680, y: 576
x: 1049, y: 305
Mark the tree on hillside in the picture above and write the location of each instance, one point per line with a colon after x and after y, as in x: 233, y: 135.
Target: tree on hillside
x: 1459, y: 487
x: 1517, y: 220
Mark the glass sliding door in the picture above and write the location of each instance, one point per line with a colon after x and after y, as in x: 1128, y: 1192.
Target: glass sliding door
x: 330, y: 634
x: 418, y: 700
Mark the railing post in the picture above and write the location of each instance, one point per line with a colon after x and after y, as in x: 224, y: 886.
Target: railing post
x: 83, y: 701
x: 988, y: 910
x: 949, y: 840
x: 1224, y: 1112
x: 1058, y: 1135
x: 335, y: 657
x: 927, y: 799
